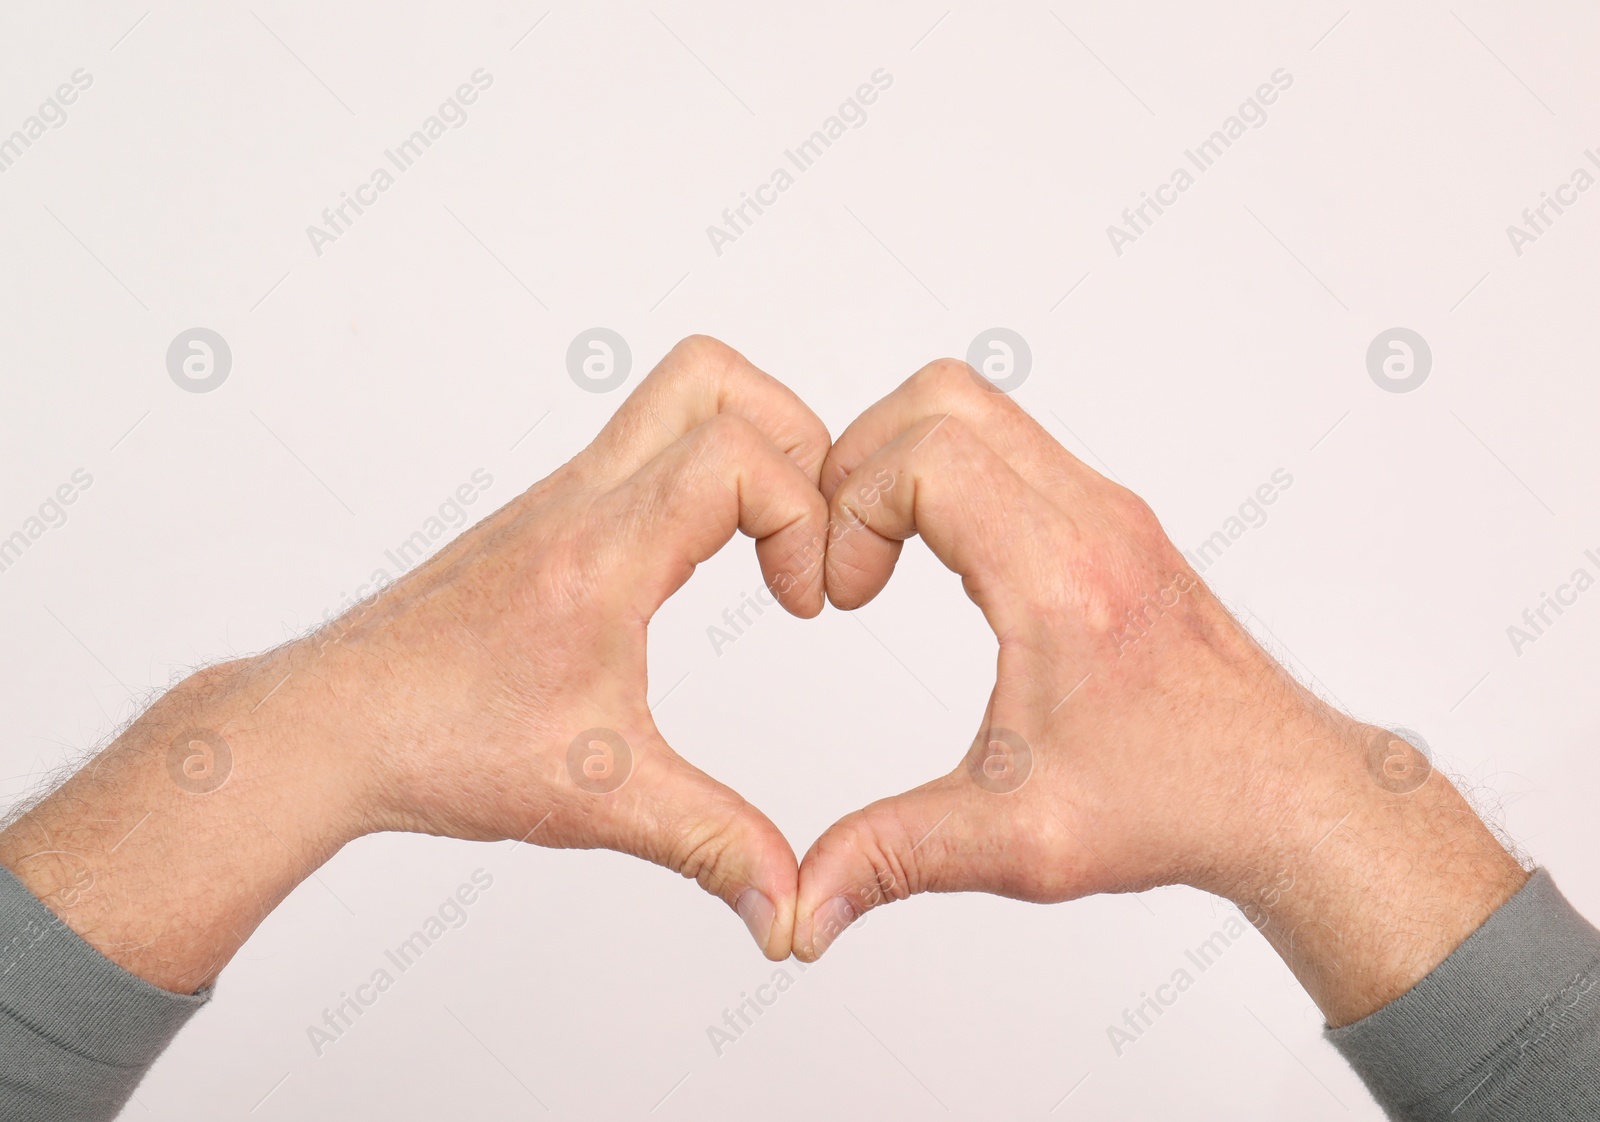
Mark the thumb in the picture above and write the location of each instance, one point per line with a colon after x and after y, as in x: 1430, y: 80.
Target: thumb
x: 663, y: 809
x: 929, y: 839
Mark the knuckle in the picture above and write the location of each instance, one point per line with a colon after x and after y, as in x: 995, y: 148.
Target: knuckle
x: 700, y: 356
x: 945, y: 439
x: 881, y: 872
x: 1130, y: 506
x: 725, y: 436
x: 1137, y: 521
x: 700, y: 860
x: 953, y: 429
x: 950, y: 384
x: 693, y: 362
x: 945, y: 376
x: 565, y: 583
x: 701, y: 852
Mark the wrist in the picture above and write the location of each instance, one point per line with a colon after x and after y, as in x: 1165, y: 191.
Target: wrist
x: 1368, y: 867
x: 297, y: 714
x: 168, y: 850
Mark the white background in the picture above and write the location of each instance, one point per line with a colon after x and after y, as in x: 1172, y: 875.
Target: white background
x: 1226, y: 343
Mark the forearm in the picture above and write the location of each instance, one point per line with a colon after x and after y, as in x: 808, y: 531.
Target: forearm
x: 126, y: 891
x: 1506, y: 1029
x: 169, y: 848
x: 1374, y: 871
x: 1458, y: 988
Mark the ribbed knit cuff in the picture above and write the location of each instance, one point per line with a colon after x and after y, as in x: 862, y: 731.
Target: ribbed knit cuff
x: 77, y: 1031
x: 1507, y: 1027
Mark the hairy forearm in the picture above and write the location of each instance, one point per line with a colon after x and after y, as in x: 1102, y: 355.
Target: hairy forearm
x: 1377, y: 869
x: 169, y: 848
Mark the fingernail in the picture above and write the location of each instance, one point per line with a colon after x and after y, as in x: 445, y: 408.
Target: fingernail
x: 829, y: 920
x: 757, y: 912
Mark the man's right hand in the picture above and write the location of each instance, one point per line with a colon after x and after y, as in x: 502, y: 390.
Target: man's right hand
x: 1136, y: 734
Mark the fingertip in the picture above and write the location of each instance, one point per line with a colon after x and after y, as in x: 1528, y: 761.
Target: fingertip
x: 759, y: 915
x: 825, y: 902
x: 859, y: 565
x: 822, y: 930
x: 802, y: 594
x: 769, y: 905
x: 707, y: 832
x: 850, y: 594
x: 768, y: 901
x: 811, y: 607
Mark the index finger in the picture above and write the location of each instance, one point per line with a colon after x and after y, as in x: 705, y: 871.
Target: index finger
x: 939, y: 479
x: 951, y: 386
x: 697, y: 380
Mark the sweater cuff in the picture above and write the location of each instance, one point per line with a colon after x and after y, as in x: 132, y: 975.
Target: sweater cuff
x: 77, y: 1031
x: 1506, y: 1027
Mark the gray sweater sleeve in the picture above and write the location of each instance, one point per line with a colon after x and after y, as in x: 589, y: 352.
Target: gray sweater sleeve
x: 1506, y: 1028
x: 77, y: 1032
